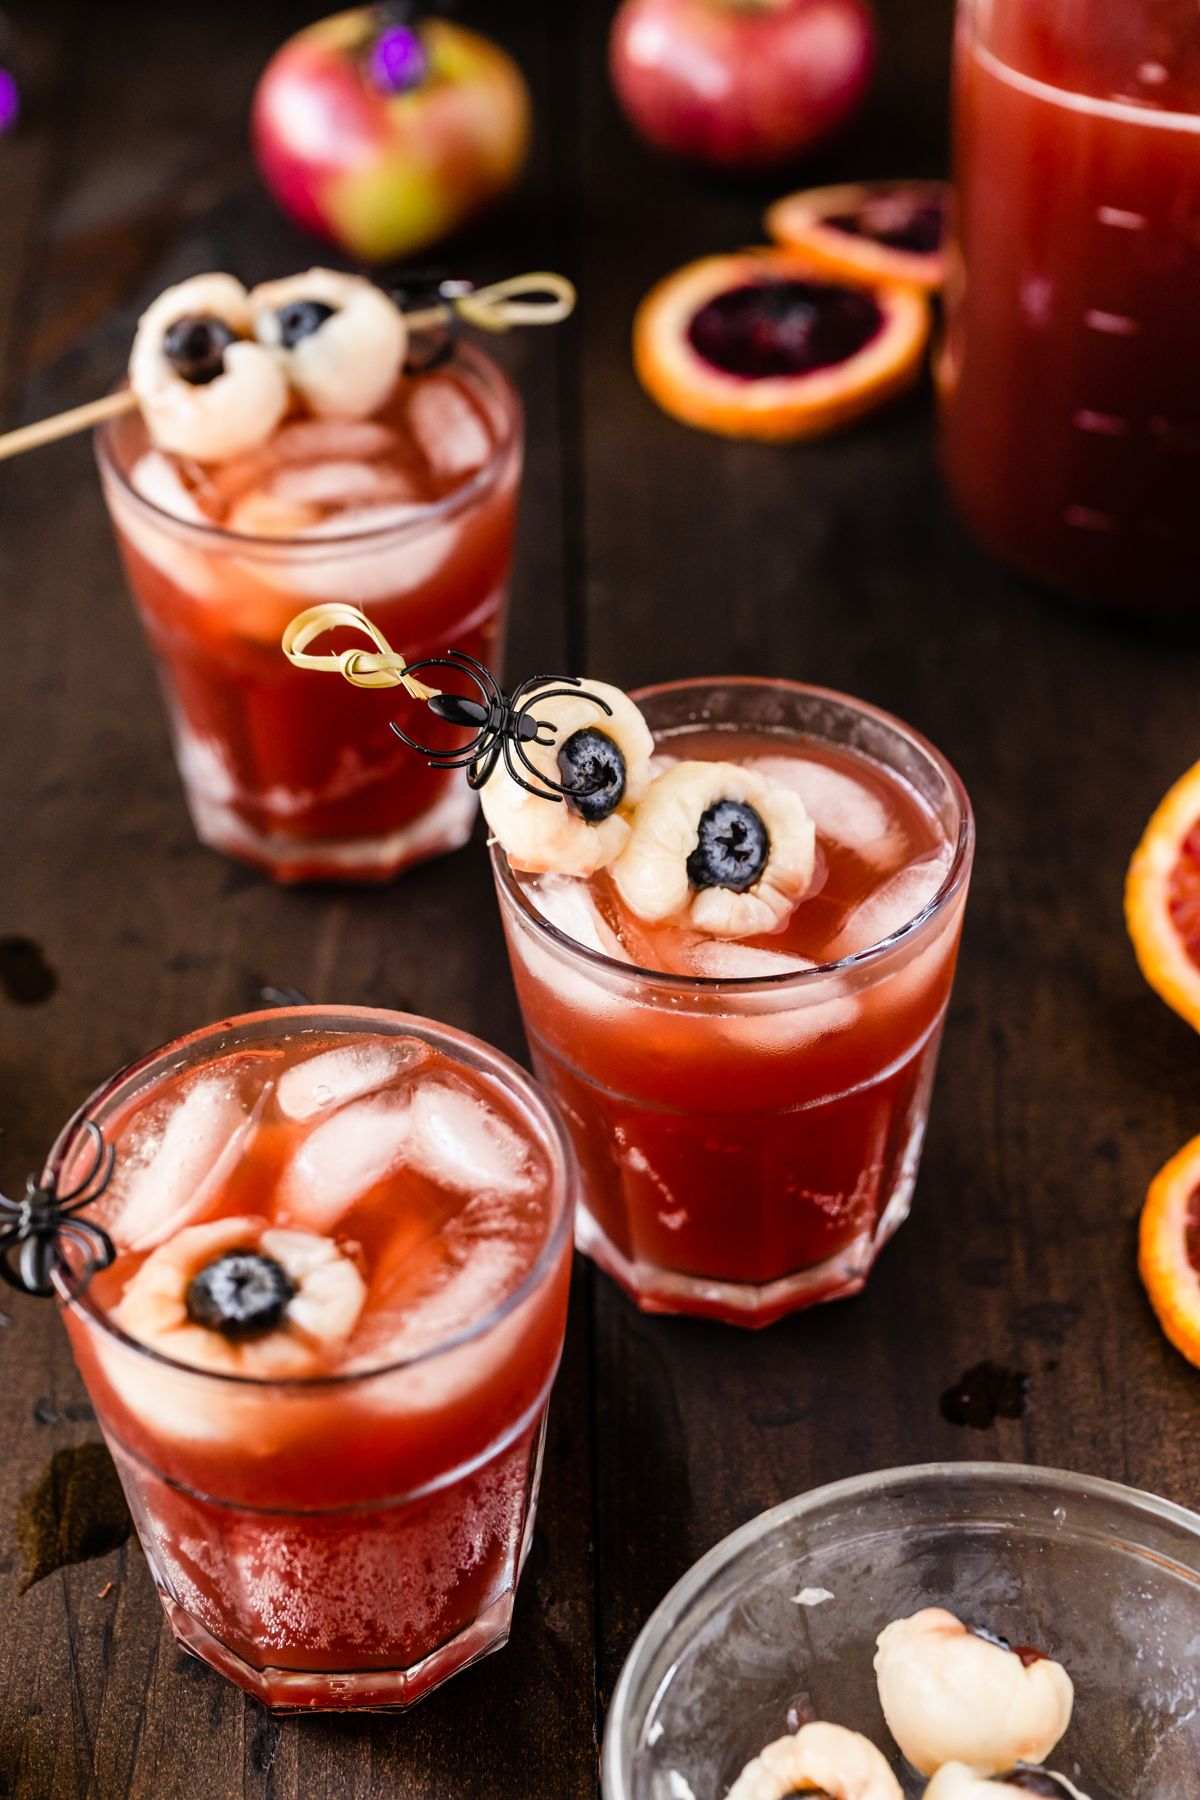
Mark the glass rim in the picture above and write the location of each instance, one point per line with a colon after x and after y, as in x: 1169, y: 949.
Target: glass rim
x: 478, y: 1054
x: 1021, y: 1477
x: 867, y: 958
x: 423, y: 516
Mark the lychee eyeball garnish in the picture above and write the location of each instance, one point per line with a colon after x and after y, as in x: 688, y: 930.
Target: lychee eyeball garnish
x: 818, y: 1759
x: 338, y: 339
x: 205, y: 388
x: 728, y: 848
x: 234, y: 1297
x: 597, y: 758
x: 951, y: 1694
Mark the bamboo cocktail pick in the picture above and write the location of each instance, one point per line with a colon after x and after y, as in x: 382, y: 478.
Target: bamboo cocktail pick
x: 497, y: 307
x: 501, y: 724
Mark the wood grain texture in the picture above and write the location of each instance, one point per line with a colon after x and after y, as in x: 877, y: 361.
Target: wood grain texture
x: 646, y: 551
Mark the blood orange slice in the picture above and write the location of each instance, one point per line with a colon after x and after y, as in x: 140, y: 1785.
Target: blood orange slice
x: 879, y: 230
x: 764, y: 344
x: 1162, y: 898
x: 1169, y: 1249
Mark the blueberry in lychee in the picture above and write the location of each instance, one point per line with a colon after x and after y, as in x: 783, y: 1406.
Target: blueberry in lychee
x: 241, y: 1294
x: 732, y: 847
x: 195, y: 347
x: 300, y: 318
x: 592, y: 771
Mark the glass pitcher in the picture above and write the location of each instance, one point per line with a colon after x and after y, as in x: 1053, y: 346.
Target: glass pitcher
x: 1069, y: 375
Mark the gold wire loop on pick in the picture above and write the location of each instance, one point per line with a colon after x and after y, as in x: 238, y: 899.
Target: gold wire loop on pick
x: 503, y: 304
x: 379, y: 668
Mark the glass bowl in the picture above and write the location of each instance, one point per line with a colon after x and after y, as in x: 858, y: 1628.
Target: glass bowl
x: 744, y: 1648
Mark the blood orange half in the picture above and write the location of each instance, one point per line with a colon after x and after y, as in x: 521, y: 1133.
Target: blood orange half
x: 877, y: 230
x: 1162, y: 898
x: 1169, y: 1249
x: 765, y: 344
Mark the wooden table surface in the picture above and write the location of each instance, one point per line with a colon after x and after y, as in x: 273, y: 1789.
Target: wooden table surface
x: 646, y: 551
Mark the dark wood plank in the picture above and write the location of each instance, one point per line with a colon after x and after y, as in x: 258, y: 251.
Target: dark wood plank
x: 149, y: 934
x: 39, y: 51
x: 1064, y: 1083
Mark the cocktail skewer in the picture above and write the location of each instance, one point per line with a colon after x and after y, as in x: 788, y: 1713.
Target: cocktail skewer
x: 501, y: 724
x: 496, y: 307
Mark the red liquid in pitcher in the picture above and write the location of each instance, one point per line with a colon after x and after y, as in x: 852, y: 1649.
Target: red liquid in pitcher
x: 753, y: 1141
x: 1070, y: 375
x: 352, y: 1536
x: 408, y: 514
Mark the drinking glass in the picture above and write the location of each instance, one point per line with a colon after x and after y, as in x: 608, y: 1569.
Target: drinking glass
x: 352, y: 1539
x: 748, y: 1146
x: 302, y: 778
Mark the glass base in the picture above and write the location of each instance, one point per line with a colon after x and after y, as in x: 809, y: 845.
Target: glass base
x: 657, y: 1290
x: 364, y: 1689
x: 360, y: 1690
x: 445, y: 827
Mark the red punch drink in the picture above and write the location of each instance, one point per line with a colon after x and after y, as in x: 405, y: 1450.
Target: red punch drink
x: 1070, y: 375
x: 323, y: 1354
x: 406, y: 509
x: 748, y: 1110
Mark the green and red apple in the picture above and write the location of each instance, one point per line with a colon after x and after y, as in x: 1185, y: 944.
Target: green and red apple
x: 384, y: 131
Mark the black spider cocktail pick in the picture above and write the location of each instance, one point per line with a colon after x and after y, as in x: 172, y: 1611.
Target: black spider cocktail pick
x: 36, y: 1230
x: 502, y: 724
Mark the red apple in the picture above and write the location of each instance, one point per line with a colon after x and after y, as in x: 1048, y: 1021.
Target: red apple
x: 741, y: 83
x: 383, y: 133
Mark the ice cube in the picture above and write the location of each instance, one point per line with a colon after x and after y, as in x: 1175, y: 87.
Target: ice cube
x: 320, y: 440
x: 844, y: 810
x: 156, y: 478
x: 490, y: 1270
x: 727, y: 960
x: 898, y: 901
x: 259, y: 514
x: 461, y: 1292
x: 782, y: 1018
x: 443, y: 1297
x: 352, y: 519
x: 450, y: 433
x: 342, y: 1159
x: 178, y: 1175
x: 567, y: 902
x: 345, y: 1073
x: 778, y: 1025
x: 379, y: 568
x: 339, y: 484
x: 459, y: 1142
x: 221, y: 485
